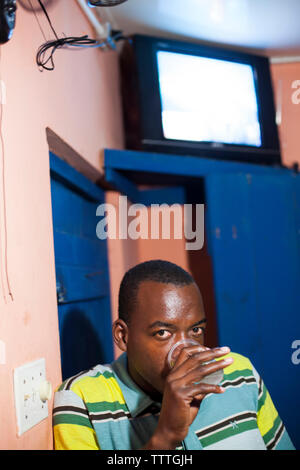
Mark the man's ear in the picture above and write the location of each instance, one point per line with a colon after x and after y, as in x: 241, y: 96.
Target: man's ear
x: 120, y: 334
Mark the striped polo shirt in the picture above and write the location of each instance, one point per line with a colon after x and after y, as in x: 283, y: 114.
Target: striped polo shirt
x: 103, y: 408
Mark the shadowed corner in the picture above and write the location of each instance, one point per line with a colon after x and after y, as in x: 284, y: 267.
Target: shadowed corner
x: 80, y: 345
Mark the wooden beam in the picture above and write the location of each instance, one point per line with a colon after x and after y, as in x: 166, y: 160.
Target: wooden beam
x: 64, y: 151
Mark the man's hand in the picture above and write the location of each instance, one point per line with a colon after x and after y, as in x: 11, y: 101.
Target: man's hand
x: 182, y: 394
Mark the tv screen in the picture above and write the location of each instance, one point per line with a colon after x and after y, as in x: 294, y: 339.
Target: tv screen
x: 183, y: 98
x: 194, y: 108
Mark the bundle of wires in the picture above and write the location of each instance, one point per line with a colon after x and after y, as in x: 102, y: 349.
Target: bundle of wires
x: 45, y: 53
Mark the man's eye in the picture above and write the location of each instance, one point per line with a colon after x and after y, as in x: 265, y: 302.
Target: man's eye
x: 163, y: 333
x: 197, y: 330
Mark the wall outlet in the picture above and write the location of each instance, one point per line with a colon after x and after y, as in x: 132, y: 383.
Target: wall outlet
x: 31, y: 392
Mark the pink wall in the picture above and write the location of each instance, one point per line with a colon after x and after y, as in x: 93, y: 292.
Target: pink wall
x: 80, y: 102
x: 283, y: 77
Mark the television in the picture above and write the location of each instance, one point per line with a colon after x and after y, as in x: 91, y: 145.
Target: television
x: 190, y: 99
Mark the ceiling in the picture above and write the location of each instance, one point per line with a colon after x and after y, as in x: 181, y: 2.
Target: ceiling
x: 269, y: 27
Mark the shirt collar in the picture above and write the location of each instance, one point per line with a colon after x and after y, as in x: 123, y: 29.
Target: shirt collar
x: 136, y: 399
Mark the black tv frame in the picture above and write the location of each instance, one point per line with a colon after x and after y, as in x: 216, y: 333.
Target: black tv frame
x: 142, y: 104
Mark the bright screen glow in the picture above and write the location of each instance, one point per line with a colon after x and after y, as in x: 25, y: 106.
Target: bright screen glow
x: 208, y: 100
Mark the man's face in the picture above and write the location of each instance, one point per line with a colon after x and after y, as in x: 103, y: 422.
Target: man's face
x: 164, y: 315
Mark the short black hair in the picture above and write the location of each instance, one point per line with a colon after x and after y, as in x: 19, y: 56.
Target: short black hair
x: 154, y: 270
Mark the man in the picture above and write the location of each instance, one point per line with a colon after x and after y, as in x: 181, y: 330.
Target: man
x: 140, y: 402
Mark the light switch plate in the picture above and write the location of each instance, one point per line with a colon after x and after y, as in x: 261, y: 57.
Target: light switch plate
x: 30, y: 409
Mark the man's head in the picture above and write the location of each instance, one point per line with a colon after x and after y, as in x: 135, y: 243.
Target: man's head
x: 159, y: 304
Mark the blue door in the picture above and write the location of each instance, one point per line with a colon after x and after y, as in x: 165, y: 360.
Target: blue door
x: 254, y: 231
x: 82, y: 275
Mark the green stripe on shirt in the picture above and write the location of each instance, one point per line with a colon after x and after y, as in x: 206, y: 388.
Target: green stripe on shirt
x: 98, y: 407
x: 229, y: 431
x: 66, y: 418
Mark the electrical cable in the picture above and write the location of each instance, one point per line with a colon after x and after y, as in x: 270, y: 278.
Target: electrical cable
x: 47, y: 16
x: 47, y: 3
x: 2, y: 154
x: 4, y: 199
x: 106, y: 3
x: 45, y: 53
x: 83, y: 41
x: 36, y: 17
